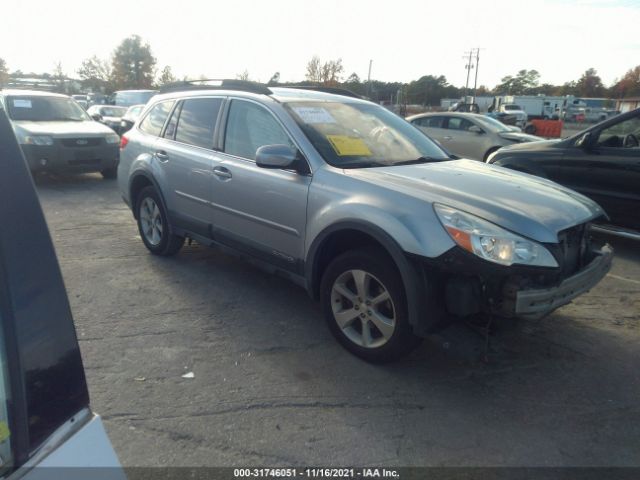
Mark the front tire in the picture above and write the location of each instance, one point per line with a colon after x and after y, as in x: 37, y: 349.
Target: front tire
x: 153, y: 224
x: 365, y: 306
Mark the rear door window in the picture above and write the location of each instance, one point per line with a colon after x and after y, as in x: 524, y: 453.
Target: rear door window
x: 457, y: 123
x: 154, y: 121
x: 197, y: 121
x: 429, y: 122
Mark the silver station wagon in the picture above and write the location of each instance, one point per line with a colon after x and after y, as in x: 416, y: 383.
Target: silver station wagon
x: 394, y: 237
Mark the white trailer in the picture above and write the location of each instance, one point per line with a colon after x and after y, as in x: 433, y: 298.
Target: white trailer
x: 537, y: 106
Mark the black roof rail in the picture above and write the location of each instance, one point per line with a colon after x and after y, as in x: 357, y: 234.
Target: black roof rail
x: 217, y: 84
x: 320, y: 88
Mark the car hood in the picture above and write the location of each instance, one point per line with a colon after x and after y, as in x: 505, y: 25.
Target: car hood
x: 530, y: 206
x: 62, y: 129
x: 519, y: 137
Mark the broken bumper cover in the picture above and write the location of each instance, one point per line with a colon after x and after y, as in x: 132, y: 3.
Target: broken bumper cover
x: 536, y: 303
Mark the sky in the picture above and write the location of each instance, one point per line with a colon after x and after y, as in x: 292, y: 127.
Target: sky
x: 405, y: 39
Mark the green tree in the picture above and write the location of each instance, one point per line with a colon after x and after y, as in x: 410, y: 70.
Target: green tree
x: 59, y: 78
x: 95, y: 74
x: 166, y: 76
x: 628, y: 85
x: 4, y: 72
x: 429, y: 90
x: 590, y: 84
x: 525, y: 82
x: 133, y: 64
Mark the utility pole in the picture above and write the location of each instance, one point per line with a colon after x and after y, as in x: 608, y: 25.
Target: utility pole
x: 468, y: 66
x: 475, y: 83
x: 369, y: 81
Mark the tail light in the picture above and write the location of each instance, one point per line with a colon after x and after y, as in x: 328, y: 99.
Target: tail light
x: 123, y: 142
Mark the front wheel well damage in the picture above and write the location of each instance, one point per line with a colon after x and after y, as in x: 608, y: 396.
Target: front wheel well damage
x: 423, y: 310
x: 336, y: 244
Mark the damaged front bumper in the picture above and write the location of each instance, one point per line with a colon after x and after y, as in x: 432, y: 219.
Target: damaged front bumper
x: 464, y: 285
x: 536, y: 303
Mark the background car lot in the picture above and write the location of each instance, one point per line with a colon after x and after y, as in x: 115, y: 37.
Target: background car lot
x: 271, y: 386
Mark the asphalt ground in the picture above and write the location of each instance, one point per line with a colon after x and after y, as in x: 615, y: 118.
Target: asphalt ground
x: 271, y: 387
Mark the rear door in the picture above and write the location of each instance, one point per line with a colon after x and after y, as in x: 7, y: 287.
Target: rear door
x: 459, y: 140
x: 261, y: 211
x: 433, y: 126
x: 185, y: 154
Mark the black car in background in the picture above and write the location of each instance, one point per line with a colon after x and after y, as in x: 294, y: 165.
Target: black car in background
x: 602, y: 163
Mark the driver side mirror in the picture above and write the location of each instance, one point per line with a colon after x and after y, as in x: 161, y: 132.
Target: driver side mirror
x: 97, y: 117
x: 475, y: 129
x: 585, y: 141
x: 276, y: 156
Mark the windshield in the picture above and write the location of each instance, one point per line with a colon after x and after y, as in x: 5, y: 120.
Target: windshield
x: 492, y: 124
x: 128, y: 99
x: 112, y: 111
x: 351, y: 135
x: 45, y: 109
x: 512, y: 107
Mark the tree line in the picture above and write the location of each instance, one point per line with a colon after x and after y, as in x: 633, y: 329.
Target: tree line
x: 132, y: 65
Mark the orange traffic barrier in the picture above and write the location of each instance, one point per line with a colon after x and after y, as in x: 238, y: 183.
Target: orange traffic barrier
x: 547, y: 128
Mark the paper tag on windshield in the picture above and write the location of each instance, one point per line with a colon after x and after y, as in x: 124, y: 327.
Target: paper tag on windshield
x: 349, y: 146
x: 314, y: 115
x: 20, y: 103
x: 4, y: 431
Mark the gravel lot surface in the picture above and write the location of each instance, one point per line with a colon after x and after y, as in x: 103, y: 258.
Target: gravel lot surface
x: 272, y: 388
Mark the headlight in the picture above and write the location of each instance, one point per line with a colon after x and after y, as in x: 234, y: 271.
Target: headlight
x: 113, y: 139
x: 491, y: 242
x: 45, y: 140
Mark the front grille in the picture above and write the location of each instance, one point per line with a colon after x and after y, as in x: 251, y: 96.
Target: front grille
x: 573, y: 249
x: 81, y: 142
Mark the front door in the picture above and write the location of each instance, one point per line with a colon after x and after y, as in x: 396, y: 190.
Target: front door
x: 262, y: 211
x: 609, y: 172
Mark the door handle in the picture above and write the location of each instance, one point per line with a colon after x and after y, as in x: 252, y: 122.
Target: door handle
x: 222, y: 172
x: 162, y: 156
x: 447, y: 138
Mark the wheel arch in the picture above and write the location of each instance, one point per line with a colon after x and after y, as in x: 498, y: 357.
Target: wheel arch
x: 139, y: 180
x: 489, y: 151
x: 347, y: 235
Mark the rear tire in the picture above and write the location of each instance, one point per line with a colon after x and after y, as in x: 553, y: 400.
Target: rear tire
x: 110, y: 173
x: 153, y: 224
x: 365, y: 306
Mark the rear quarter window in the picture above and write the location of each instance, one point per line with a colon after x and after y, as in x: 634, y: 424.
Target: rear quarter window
x: 155, y: 119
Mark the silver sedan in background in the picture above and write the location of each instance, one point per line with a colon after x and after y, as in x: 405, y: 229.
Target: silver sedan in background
x: 468, y: 135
